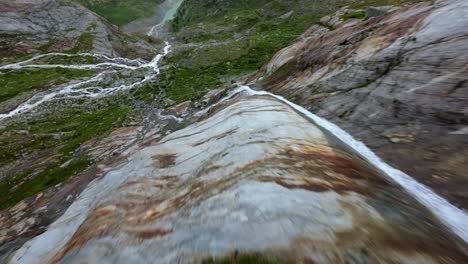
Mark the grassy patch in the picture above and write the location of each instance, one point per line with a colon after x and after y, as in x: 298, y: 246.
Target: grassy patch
x: 146, y: 93
x: 75, y: 126
x: 121, y: 12
x: 367, y: 3
x: 15, y: 82
x: 29, y: 187
x: 57, y: 59
x: 183, y: 83
x: 197, y: 71
x: 357, y: 14
x: 85, y: 43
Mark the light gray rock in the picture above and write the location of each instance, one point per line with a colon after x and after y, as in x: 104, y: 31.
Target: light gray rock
x: 375, y: 11
x: 56, y: 25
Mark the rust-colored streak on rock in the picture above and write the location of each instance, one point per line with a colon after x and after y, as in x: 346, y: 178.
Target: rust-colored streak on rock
x: 217, y: 137
x: 317, y: 168
x: 150, y: 233
x: 395, y: 237
x: 402, y: 27
x: 150, y: 141
x: 98, y: 223
x: 164, y: 160
x: 308, y: 261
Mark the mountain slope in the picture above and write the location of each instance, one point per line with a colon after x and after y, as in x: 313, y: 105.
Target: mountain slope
x: 28, y: 27
x: 122, y: 12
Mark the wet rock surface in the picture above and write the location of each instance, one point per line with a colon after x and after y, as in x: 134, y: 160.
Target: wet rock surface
x: 240, y: 179
x: 395, y: 80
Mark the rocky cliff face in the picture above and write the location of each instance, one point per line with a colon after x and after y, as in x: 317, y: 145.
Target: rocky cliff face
x: 28, y: 26
x: 240, y: 182
x: 396, y: 80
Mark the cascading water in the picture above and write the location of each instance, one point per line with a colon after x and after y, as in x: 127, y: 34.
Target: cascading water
x: 82, y: 89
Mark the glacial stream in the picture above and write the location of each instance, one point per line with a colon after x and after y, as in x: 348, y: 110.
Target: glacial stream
x: 89, y: 88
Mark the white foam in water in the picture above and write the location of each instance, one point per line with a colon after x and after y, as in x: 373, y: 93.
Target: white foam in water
x: 454, y: 218
x: 81, y: 89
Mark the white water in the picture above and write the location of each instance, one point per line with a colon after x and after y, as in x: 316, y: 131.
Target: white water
x: 117, y: 62
x: 454, y: 218
x: 82, y: 89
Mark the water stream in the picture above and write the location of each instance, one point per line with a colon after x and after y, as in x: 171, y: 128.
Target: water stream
x: 89, y: 88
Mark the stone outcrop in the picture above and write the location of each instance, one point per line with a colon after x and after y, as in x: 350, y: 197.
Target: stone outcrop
x: 30, y: 26
x: 395, y: 80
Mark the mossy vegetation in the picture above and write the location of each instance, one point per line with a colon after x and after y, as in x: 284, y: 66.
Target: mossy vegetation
x: 366, y: 3
x: 15, y: 82
x: 85, y: 43
x: 147, y: 93
x: 58, y: 135
x: 121, y: 12
x: 68, y: 60
x: 357, y: 14
x: 260, y: 34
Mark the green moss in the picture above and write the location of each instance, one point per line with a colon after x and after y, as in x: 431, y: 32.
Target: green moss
x: 29, y: 187
x: 91, y: 26
x: 363, y: 85
x: 243, y: 13
x: 82, y: 127
x: 146, y: 93
x: 57, y: 59
x: 15, y: 82
x: 242, y: 259
x: 85, y: 43
x: 199, y: 70
x: 75, y: 126
x: 45, y: 48
x: 357, y: 14
x: 366, y: 3
x: 121, y: 12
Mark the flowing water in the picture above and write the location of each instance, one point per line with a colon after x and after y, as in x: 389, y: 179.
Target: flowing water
x: 89, y: 88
